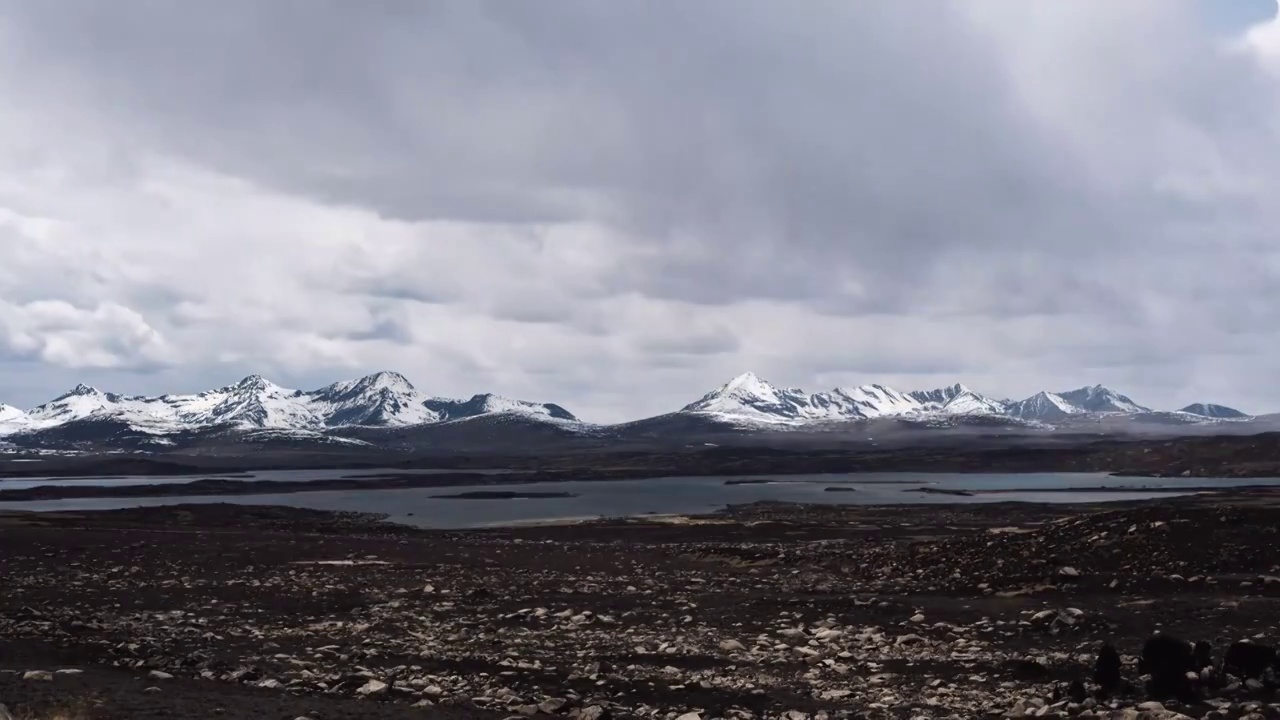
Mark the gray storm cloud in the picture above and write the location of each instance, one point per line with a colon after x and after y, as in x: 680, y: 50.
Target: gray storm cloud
x: 568, y: 199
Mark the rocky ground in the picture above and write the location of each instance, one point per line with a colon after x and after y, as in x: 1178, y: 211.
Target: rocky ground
x: 774, y: 611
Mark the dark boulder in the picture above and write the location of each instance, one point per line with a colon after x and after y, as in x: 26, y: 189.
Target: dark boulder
x: 1168, y: 660
x: 1106, y: 669
x: 1248, y: 659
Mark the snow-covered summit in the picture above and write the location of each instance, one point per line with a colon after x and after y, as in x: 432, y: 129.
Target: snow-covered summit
x: 749, y: 399
x: 1099, y: 399
x: 383, y: 399
x: 78, y: 403
x: 1044, y: 406
x: 747, y: 396
x: 488, y: 404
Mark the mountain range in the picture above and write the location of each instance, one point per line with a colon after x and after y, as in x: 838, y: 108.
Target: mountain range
x: 384, y: 399
x: 387, y: 401
x: 749, y: 399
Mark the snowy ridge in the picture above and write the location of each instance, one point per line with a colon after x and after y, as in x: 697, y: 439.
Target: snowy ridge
x: 750, y: 400
x: 747, y: 398
x: 384, y: 399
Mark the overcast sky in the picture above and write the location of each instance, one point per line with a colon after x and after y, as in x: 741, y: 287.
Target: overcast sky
x: 618, y: 206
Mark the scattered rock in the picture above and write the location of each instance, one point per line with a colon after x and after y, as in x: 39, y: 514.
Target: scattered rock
x: 373, y: 688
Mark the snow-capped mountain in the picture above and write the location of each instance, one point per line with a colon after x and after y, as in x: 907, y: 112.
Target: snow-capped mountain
x: 1209, y: 410
x: 489, y: 404
x: 1045, y: 406
x: 386, y: 408
x: 747, y: 399
x: 381, y: 399
x: 1100, y: 399
x: 1051, y: 406
x: 384, y: 399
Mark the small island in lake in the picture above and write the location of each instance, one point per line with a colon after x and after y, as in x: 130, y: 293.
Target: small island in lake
x: 941, y: 491
x: 503, y: 495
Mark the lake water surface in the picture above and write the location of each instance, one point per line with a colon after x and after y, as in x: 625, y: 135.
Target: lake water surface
x: 668, y: 495
x: 277, y: 475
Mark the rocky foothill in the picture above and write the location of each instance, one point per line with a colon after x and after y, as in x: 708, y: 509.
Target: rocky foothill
x: 1151, y: 610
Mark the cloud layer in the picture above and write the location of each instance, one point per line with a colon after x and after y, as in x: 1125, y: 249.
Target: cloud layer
x: 617, y: 207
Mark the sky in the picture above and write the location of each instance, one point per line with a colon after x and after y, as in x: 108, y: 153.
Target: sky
x: 619, y: 206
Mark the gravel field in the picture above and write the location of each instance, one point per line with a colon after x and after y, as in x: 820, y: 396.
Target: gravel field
x: 764, y: 611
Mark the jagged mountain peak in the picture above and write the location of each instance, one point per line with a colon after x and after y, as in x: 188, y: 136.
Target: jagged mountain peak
x: 80, y: 390
x: 748, y: 394
x: 258, y: 384
x: 956, y: 399
x: 748, y: 382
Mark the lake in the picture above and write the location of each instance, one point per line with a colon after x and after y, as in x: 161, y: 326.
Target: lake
x: 665, y: 495
x: 277, y: 475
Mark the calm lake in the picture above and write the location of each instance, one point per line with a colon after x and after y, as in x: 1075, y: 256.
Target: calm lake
x: 667, y: 495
